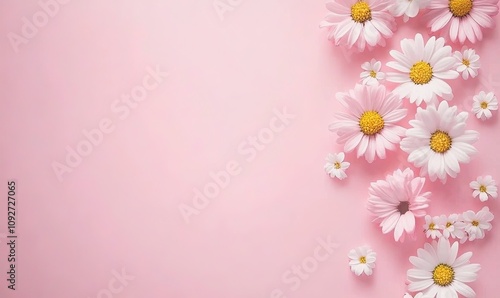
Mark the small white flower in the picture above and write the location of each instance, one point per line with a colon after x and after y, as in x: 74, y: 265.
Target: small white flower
x: 453, y: 226
x: 408, y: 8
x: 362, y: 260
x: 484, y: 104
x: 419, y: 295
x: 467, y: 63
x: 372, y: 75
x: 336, y: 166
x: 432, y: 226
x: 477, y: 224
x: 485, y: 187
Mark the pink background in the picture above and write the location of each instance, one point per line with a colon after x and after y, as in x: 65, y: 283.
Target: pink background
x: 119, y: 207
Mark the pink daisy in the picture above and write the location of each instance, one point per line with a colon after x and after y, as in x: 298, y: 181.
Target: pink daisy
x: 370, y: 124
x: 364, y: 23
x: 464, y: 19
x: 396, y: 202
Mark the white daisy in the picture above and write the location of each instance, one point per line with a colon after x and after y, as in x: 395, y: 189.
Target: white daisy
x: 484, y: 187
x: 336, y: 166
x: 438, y: 141
x: 360, y: 23
x: 408, y: 8
x: 439, y: 273
x: 371, y: 122
x: 467, y: 63
x: 372, y: 74
x: 433, y: 226
x: 484, y: 104
x: 362, y: 260
x: 423, y: 67
x: 477, y: 224
x: 453, y: 226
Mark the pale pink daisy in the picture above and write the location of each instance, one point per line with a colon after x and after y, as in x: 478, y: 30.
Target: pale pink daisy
x: 371, y: 74
x: 438, y: 142
x: 453, y: 226
x: 422, y: 70
x: 433, y: 226
x: 370, y: 124
x: 484, y: 104
x: 360, y: 23
x: 477, y: 224
x: 463, y: 19
x: 484, y: 187
x: 408, y: 8
x: 397, y: 201
x: 467, y: 63
x: 336, y: 166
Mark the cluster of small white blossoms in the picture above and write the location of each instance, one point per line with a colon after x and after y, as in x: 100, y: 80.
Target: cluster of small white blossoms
x: 466, y: 226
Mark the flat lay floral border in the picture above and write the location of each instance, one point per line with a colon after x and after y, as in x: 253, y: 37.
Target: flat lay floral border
x: 437, y: 141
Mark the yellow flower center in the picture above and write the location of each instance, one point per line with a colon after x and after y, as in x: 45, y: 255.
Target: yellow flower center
x: 448, y: 224
x: 466, y: 62
x: 482, y: 188
x: 362, y: 260
x: 361, y: 12
x: 431, y: 226
x: 421, y: 73
x: 371, y: 123
x: 460, y: 8
x: 337, y: 165
x: 443, y: 275
x: 475, y: 223
x: 484, y: 105
x: 440, y: 142
x: 373, y: 74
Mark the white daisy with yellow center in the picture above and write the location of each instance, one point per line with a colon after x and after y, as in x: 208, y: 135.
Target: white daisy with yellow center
x: 362, y: 260
x: 422, y: 70
x: 476, y: 224
x: 483, y: 105
x: 336, y: 166
x: 438, y: 142
x: 371, y: 74
x: 467, y: 63
x: 438, y: 272
x: 484, y: 187
x: 433, y: 226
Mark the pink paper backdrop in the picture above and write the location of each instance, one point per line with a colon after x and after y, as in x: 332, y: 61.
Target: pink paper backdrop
x: 228, y: 77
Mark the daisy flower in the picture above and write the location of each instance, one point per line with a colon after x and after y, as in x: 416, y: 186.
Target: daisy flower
x: 462, y: 18
x: 419, y: 295
x: 453, y: 226
x: 362, y: 260
x: 408, y: 8
x: 396, y: 202
x: 484, y: 104
x: 437, y: 142
x: 363, y: 23
x: 336, y: 166
x: 477, y: 224
x: 467, y: 63
x: 439, y: 273
x: 432, y: 226
x: 484, y: 187
x: 423, y: 67
x: 372, y: 74
x: 370, y: 125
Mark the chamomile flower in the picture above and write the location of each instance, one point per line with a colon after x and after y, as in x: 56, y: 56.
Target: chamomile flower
x: 362, y: 260
x: 371, y: 122
x: 483, y: 105
x: 371, y: 74
x: 433, y: 226
x: 336, y: 166
x: 397, y: 201
x: 439, y: 273
x: 484, y: 187
x: 408, y: 8
x: 463, y: 19
x: 438, y: 142
x: 453, y: 226
x: 476, y: 224
x: 467, y: 63
x: 422, y: 70
x: 360, y: 23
